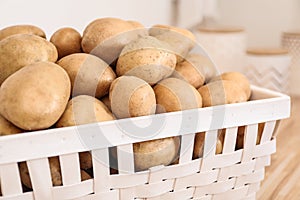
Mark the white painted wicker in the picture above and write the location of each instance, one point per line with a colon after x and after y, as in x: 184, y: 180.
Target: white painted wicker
x: 234, y: 174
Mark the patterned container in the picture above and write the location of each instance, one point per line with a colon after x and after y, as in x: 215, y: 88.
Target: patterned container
x: 269, y: 67
x: 225, y: 45
x: 291, y: 42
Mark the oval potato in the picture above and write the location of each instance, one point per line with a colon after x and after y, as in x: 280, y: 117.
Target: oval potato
x: 131, y: 97
x: 67, y: 41
x: 146, y: 58
x: 222, y: 92
x: 20, y: 50
x: 36, y: 96
x: 180, y: 40
x: 21, y: 29
x: 89, y: 74
x: 173, y: 94
x: 155, y: 152
x: 106, y: 37
x: 240, y: 79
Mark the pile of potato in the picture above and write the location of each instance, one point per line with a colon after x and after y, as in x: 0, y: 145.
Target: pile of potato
x: 116, y: 69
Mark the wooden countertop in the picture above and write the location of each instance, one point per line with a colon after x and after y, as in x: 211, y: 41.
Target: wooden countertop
x: 282, y: 179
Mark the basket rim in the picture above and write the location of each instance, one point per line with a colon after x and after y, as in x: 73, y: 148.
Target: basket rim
x: 57, y: 141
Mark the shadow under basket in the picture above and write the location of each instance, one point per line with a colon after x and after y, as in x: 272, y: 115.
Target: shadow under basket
x: 232, y: 174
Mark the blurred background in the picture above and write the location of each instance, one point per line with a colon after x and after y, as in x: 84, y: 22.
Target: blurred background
x: 263, y: 19
x: 244, y: 24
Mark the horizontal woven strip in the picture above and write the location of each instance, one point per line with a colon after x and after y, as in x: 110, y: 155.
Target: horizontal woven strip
x: 24, y: 196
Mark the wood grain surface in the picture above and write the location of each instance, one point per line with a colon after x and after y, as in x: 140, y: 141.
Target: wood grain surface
x: 282, y: 179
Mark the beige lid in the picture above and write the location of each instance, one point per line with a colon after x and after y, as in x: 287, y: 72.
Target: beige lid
x: 292, y: 33
x: 267, y: 51
x: 220, y: 28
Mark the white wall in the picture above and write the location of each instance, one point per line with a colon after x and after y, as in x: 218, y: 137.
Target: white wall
x: 264, y: 20
x: 52, y: 14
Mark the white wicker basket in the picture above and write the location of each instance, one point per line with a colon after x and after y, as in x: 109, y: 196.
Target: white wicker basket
x: 234, y: 174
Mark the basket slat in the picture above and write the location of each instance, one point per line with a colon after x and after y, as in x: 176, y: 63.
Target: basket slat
x: 181, y: 194
x: 24, y: 196
x: 236, y: 170
x: 10, y: 179
x: 125, y: 159
x: 186, y: 148
x: 199, y: 179
x: 230, y: 140
x: 73, y: 191
x: 70, y: 169
x: 268, y: 131
x: 40, y: 176
x: 214, y: 188
x: 100, y: 159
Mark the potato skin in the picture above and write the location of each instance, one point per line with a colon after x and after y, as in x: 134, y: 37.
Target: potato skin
x: 21, y: 29
x: 155, y: 152
x: 181, y: 40
x: 196, y: 69
x: 106, y: 37
x: 67, y: 41
x: 240, y: 79
x: 7, y: 128
x: 20, y: 50
x: 174, y: 95
x: 222, y: 92
x: 35, y: 97
x: 89, y: 74
x: 131, y: 97
x: 148, y: 59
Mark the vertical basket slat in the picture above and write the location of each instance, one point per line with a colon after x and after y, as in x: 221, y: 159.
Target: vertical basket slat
x: 70, y: 169
x: 125, y: 159
x: 268, y: 131
x: 209, y: 149
x: 39, y: 171
x: 10, y: 179
x: 230, y: 140
x: 186, y: 148
x: 101, y: 170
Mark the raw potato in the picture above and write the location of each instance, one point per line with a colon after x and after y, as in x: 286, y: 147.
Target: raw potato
x: 155, y: 152
x: 20, y: 50
x: 131, y: 97
x: 7, y: 128
x: 67, y: 41
x: 146, y: 58
x: 36, y: 96
x: 222, y: 92
x: 84, y: 109
x: 189, y: 72
x: 89, y: 74
x: 196, y: 69
x: 174, y: 95
x: 199, y: 145
x: 80, y: 110
x: 106, y: 37
x: 240, y: 79
x: 180, y: 40
x: 21, y: 29
x: 54, y: 170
